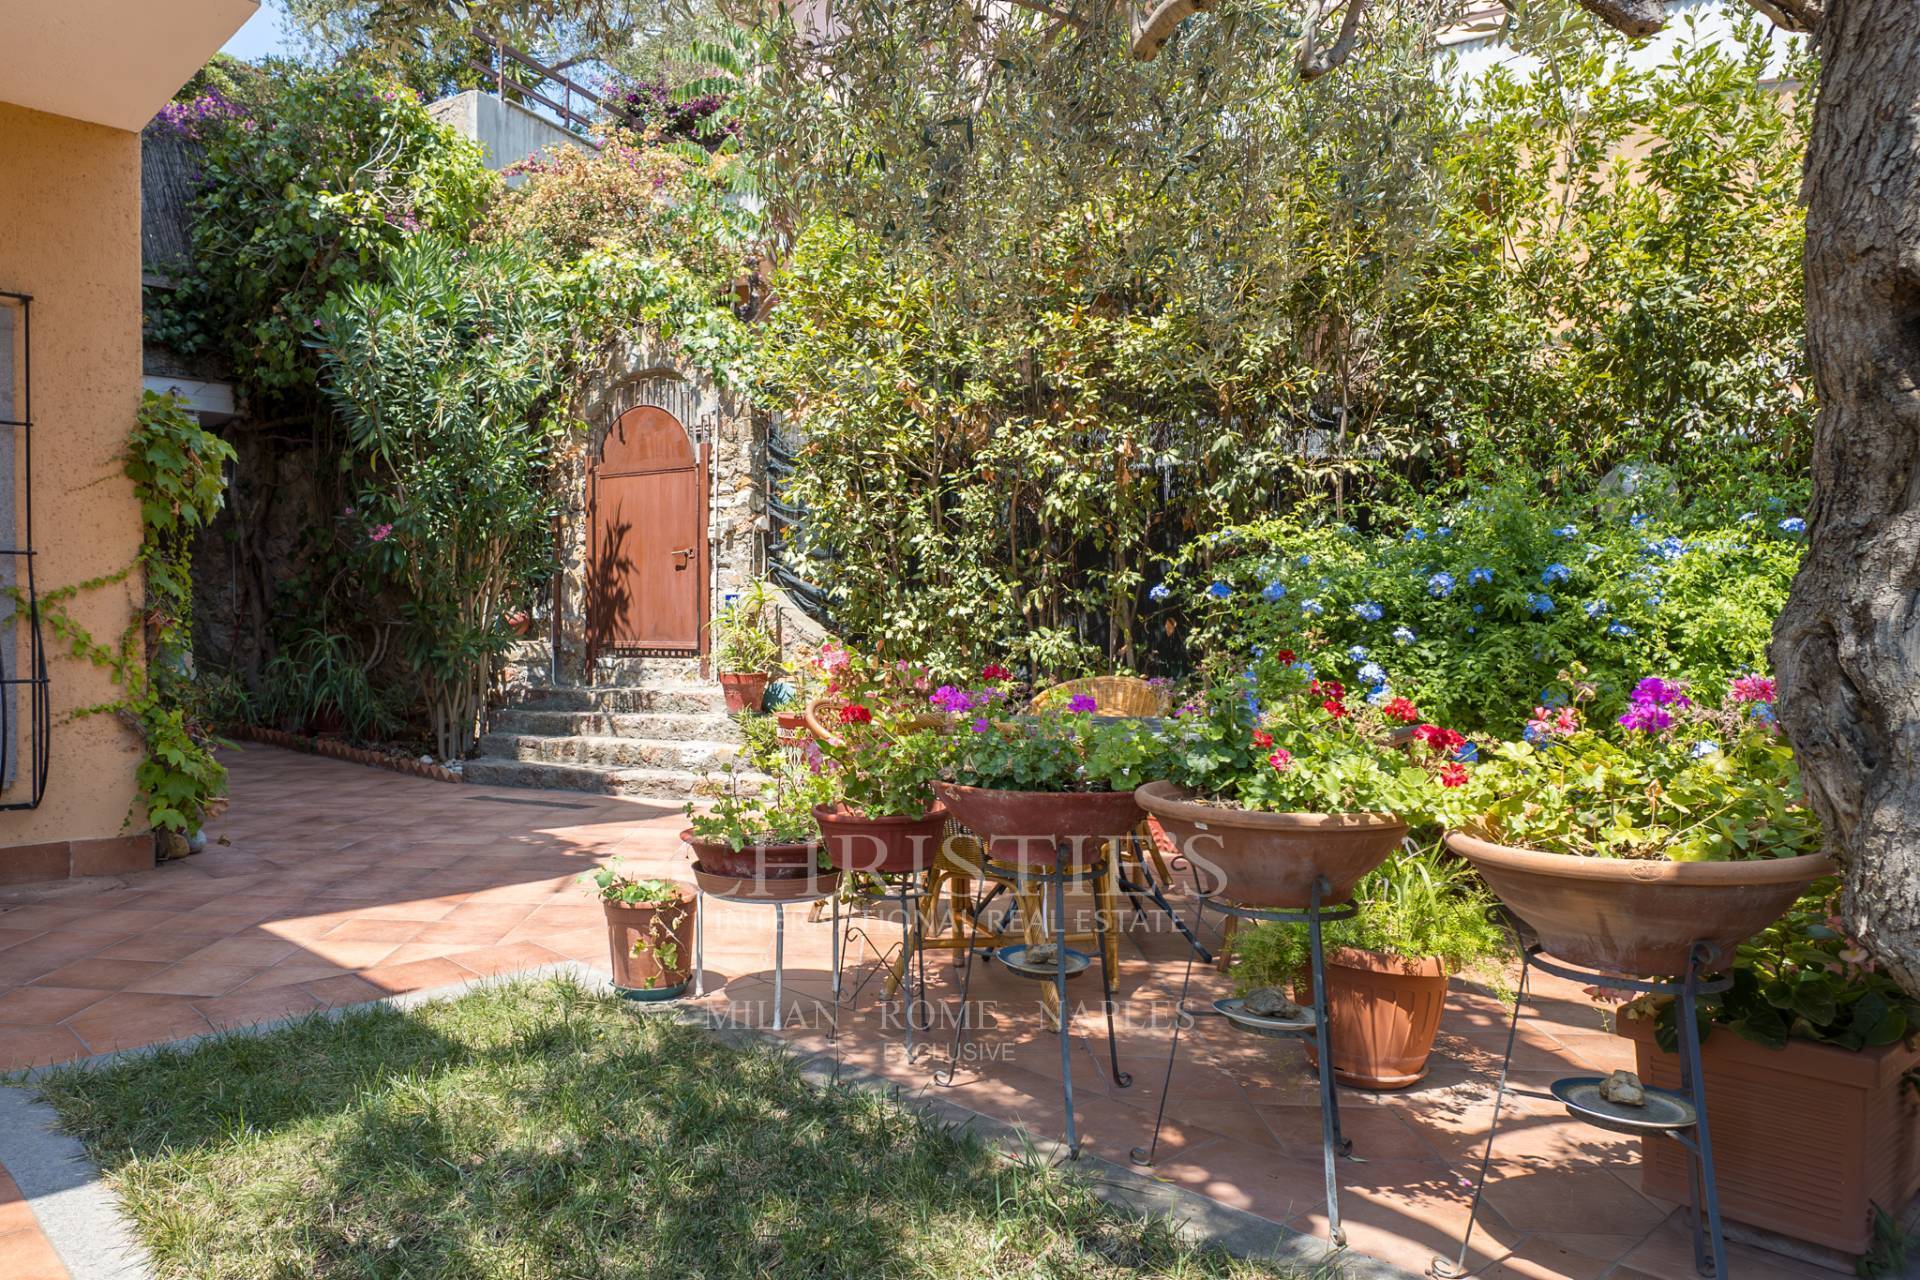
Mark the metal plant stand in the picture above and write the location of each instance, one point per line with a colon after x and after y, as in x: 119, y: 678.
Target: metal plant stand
x: 904, y: 889
x: 779, y: 906
x: 1316, y: 915
x: 1066, y: 963
x: 1677, y: 1114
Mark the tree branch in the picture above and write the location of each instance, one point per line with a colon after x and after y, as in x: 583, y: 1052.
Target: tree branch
x: 1152, y: 32
x: 1792, y: 15
x: 1634, y: 17
x: 1313, y: 62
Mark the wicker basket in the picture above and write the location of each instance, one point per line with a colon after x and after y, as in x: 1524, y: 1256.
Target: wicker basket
x: 1112, y: 696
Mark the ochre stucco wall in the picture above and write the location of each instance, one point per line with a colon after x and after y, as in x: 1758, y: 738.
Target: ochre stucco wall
x: 70, y: 236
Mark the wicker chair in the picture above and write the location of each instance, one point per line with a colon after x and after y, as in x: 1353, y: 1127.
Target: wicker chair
x: 1112, y: 696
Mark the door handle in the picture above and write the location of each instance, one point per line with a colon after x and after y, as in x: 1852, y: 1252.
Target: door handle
x: 686, y: 556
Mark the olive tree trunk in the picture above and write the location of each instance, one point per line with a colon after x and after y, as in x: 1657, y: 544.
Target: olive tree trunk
x: 1847, y: 648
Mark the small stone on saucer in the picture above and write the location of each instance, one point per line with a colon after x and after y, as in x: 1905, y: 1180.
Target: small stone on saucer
x: 1623, y: 1088
x: 1269, y: 1002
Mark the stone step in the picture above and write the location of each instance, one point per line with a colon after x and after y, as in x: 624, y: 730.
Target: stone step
x: 682, y: 698
x: 667, y: 786
x: 610, y: 752
x: 643, y: 672
x: 683, y: 726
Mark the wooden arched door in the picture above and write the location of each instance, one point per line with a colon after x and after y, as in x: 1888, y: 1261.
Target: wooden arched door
x: 647, y: 539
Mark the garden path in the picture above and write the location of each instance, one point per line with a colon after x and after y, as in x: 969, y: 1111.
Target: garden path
x: 330, y: 884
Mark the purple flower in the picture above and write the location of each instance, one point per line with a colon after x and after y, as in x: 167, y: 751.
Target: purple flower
x: 1082, y: 703
x: 951, y: 700
x: 1646, y: 717
x: 980, y: 725
x: 1653, y: 691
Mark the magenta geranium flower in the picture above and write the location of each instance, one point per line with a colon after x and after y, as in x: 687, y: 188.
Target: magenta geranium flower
x: 1082, y: 703
x: 1753, y: 689
x: 951, y: 700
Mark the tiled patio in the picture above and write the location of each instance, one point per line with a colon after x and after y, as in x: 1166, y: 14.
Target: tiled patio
x: 330, y: 884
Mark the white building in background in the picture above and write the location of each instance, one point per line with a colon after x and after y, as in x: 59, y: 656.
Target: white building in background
x: 1479, y: 41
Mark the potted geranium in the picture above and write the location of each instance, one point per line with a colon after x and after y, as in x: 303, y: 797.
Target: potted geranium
x: 1277, y: 779
x: 885, y: 820
x: 1422, y: 918
x: 764, y: 844
x: 1043, y: 785
x: 1681, y: 824
x: 1811, y: 1051
x: 649, y: 933
x: 745, y: 649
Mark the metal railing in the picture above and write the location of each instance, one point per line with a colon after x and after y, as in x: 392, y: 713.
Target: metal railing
x: 506, y: 69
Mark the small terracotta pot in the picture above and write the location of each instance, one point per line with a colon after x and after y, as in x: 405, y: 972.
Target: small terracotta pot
x: 884, y: 846
x: 1026, y: 828
x: 765, y: 861
x: 744, y: 690
x: 1637, y: 917
x: 664, y: 932
x: 1272, y: 859
x: 1807, y: 1138
x: 521, y: 624
x: 1382, y: 1016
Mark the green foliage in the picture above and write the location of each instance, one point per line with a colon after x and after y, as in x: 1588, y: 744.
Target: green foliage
x: 611, y: 885
x: 1685, y: 781
x: 1274, y: 738
x: 319, y: 678
x: 1055, y: 751
x: 1422, y: 905
x: 304, y: 192
x: 743, y: 638
x: 882, y: 771
x: 444, y: 375
x: 1447, y: 597
x: 779, y: 814
x: 1052, y: 315
x: 177, y: 469
x: 1801, y: 978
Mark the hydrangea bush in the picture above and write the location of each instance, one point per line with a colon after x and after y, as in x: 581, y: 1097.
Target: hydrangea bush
x: 1471, y: 607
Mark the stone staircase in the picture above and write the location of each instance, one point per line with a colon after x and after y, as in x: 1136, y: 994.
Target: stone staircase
x: 649, y: 728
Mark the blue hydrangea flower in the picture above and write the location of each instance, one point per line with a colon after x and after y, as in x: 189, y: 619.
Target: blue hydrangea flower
x: 1380, y: 696
x: 1793, y: 525
x: 1440, y: 585
x: 1158, y: 592
x: 1368, y: 611
x: 1479, y: 608
x: 1416, y: 534
x: 1304, y: 560
x: 1704, y: 747
x: 1305, y: 668
x: 1748, y: 517
x: 1404, y: 635
x: 1654, y: 599
x: 1763, y: 712
x: 1638, y: 518
x: 1373, y: 674
x: 1219, y: 591
x: 1567, y: 531
x: 1274, y: 591
x: 1618, y: 628
x: 1467, y: 753
x: 1358, y: 653
x: 1597, y: 609
x: 1477, y: 576
x: 1444, y: 531
x: 1667, y: 548
x: 1554, y: 573
x: 1540, y: 604
x: 1311, y: 607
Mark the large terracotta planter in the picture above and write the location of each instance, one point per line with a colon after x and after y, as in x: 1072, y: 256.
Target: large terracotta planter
x: 1637, y: 917
x: 768, y: 889
x: 1382, y: 1016
x: 790, y: 860
x: 1807, y: 1139
x: 1272, y: 859
x: 886, y: 846
x: 744, y: 690
x: 658, y: 969
x: 1024, y: 828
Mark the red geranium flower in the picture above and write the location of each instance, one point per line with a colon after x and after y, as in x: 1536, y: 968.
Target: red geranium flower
x: 1327, y: 689
x: 1286, y: 657
x: 1281, y: 760
x: 1401, y: 709
x: 1453, y: 775
x: 1441, y: 740
x: 1261, y: 738
x: 994, y: 671
x: 1335, y: 708
x: 854, y: 713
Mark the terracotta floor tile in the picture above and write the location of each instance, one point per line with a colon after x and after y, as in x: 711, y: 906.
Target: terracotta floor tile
x: 41, y: 916
x: 158, y: 945
x: 128, y: 1019
x: 298, y: 970
x: 28, y: 1255
x: 15, y: 1214
x: 194, y: 978
x: 419, y: 910
x: 245, y: 1008
x: 12, y: 937
x: 348, y: 955
x: 348, y: 988
x: 416, y: 976
x: 44, y: 1006
x: 252, y: 952
x: 490, y: 961
x: 104, y: 975
x: 22, y: 1047
x: 361, y: 930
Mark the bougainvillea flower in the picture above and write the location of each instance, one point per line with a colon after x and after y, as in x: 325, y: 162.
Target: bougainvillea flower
x: 951, y: 700
x: 854, y: 713
x: 1660, y: 693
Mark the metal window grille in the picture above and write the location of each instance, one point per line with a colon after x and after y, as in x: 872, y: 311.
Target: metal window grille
x: 24, y: 739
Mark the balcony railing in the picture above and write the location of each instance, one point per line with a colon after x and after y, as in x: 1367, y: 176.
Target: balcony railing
x: 514, y: 76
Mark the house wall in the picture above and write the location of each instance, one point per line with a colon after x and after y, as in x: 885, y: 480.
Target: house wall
x: 70, y: 236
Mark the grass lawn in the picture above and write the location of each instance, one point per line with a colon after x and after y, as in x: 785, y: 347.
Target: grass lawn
x: 541, y: 1132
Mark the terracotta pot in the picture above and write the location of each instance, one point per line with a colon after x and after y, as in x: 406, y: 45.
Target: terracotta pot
x: 744, y: 690
x: 1025, y: 828
x: 1807, y: 1139
x: 803, y: 888
x: 766, y: 861
x: 521, y: 624
x: 1272, y: 859
x: 886, y: 846
x: 1636, y: 917
x: 665, y: 934
x: 790, y: 729
x: 1382, y: 1015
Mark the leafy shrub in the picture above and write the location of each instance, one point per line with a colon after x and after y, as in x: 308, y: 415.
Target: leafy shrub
x: 743, y: 639
x: 1473, y: 607
x: 318, y: 678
